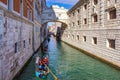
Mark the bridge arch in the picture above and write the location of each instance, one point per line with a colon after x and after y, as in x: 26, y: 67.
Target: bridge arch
x: 54, y: 14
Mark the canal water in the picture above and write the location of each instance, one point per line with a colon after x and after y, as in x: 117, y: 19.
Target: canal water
x: 68, y: 63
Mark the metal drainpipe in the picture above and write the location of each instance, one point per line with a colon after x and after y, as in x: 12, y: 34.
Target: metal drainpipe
x: 33, y: 39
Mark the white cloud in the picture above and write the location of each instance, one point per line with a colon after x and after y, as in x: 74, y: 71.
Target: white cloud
x: 71, y: 2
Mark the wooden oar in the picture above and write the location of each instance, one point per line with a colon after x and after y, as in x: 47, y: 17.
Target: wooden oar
x: 49, y: 70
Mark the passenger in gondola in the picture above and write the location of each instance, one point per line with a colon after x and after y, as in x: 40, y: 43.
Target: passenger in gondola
x: 45, y: 60
x: 42, y: 66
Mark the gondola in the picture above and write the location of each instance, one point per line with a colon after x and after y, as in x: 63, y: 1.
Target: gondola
x: 41, y: 68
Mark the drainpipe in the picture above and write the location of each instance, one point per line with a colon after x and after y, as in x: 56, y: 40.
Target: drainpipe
x: 33, y: 39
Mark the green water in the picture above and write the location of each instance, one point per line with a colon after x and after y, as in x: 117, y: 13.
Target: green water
x: 70, y: 64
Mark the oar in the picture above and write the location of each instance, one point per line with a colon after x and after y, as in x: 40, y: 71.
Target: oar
x: 55, y: 77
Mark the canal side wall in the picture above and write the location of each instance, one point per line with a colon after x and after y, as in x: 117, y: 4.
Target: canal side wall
x: 100, y: 50
x: 16, y: 43
x: 37, y: 37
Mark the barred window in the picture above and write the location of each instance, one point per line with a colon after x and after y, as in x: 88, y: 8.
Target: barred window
x: 78, y: 22
x: 85, y: 6
x: 78, y: 37
x: 111, y: 43
x: 95, y: 2
x: 85, y: 21
x: 112, y: 14
x: 95, y: 18
x: 94, y: 40
x: 84, y: 38
x: 16, y: 47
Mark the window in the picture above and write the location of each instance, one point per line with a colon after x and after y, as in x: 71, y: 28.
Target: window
x: 69, y: 15
x: 111, y: 43
x: 29, y: 14
x: 73, y: 24
x: 78, y: 22
x: 95, y: 18
x: 78, y: 11
x: 94, y: 40
x: 85, y: 6
x: 77, y: 37
x: 24, y: 43
x: 49, y: 15
x: 0, y: 36
x: 16, y: 47
x: 59, y: 14
x: 85, y: 21
x: 73, y: 13
x: 95, y: 2
x: 84, y: 38
x: 112, y: 14
x: 29, y: 41
x: 72, y: 36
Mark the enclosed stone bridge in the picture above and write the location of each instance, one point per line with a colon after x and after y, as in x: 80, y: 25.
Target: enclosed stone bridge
x: 54, y: 14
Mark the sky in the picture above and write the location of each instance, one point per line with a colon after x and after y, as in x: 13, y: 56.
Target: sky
x: 67, y: 4
x: 62, y: 3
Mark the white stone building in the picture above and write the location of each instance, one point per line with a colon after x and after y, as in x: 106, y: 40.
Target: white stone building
x: 94, y: 26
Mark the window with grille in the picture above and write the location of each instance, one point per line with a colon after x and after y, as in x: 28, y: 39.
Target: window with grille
x: 85, y: 6
x: 94, y: 40
x: 73, y: 24
x: 73, y: 13
x: 112, y: 14
x: 29, y: 41
x: 95, y: 18
x: 95, y: 2
x: 16, y: 47
x: 78, y: 22
x: 111, y: 43
x: 72, y: 36
x: 85, y: 21
x: 78, y: 11
x: 84, y: 38
x: 24, y: 43
x: 77, y: 37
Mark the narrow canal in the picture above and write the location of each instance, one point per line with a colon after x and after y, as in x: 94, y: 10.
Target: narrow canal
x: 70, y: 64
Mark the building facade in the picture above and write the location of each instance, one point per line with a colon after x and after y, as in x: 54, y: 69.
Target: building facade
x: 17, y: 25
x: 94, y: 26
x: 37, y: 24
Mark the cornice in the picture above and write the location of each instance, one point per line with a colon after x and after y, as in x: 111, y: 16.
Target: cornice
x: 79, y: 3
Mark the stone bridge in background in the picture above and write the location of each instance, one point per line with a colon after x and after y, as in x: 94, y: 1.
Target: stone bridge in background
x: 54, y: 14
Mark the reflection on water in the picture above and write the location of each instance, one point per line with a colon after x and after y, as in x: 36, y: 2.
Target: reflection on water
x: 70, y: 64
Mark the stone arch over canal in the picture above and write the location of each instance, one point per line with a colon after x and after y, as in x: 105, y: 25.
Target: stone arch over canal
x: 53, y: 14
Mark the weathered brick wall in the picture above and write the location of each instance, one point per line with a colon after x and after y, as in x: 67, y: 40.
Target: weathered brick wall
x: 14, y: 30
x: 103, y: 30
